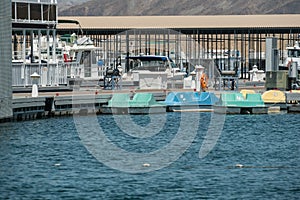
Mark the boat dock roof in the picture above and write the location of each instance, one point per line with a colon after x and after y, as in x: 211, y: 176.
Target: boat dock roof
x: 183, y: 22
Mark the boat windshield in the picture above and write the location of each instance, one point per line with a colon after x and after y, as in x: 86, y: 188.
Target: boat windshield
x: 150, y: 63
x: 295, y: 53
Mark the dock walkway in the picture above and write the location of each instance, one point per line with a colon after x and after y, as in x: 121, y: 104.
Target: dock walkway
x: 60, y: 103
x: 84, y: 101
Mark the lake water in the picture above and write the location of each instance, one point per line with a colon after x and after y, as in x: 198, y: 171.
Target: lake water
x: 53, y: 159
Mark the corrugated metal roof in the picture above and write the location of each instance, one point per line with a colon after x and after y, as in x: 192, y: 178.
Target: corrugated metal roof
x: 181, y: 22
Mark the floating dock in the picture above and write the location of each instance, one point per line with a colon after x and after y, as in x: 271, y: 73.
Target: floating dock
x: 293, y: 102
x: 52, y: 104
x: 66, y: 103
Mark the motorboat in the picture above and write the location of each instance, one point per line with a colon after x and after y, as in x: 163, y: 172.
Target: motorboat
x: 292, y: 63
x: 293, y: 55
x: 151, y: 71
x: 82, y: 55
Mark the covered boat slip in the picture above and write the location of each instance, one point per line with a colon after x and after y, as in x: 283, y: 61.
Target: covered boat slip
x: 234, y: 43
x: 219, y: 43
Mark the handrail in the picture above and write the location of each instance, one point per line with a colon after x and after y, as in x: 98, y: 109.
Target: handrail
x: 36, y: 1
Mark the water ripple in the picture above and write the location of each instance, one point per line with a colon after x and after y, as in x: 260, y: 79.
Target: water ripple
x: 256, y: 157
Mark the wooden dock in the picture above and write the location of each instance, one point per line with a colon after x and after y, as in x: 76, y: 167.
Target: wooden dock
x: 293, y: 102
x: 65, y: 103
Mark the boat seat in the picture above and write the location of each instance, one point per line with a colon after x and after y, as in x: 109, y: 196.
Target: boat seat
x: 233, y: 99
x: 245, y: 92
x: 239, y: 97
x: 254, y: 99
x: 143, y: 100
x: 119, y: 100
x: 227, y: 99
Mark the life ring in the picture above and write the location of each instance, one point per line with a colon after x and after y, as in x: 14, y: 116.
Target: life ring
x: 204, y: 81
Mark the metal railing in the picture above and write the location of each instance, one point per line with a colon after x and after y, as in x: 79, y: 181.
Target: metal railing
x: 37, y: 1
x: 50, y: 74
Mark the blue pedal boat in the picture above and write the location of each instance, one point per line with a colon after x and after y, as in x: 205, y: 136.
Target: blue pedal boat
x: 190, y: 101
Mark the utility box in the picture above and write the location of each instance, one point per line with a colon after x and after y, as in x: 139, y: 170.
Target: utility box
x: 272, y: 55
x: 277, y: 80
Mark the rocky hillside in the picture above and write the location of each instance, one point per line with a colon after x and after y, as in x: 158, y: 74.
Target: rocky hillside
x: 176, y: 7
x: 65, y: 5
